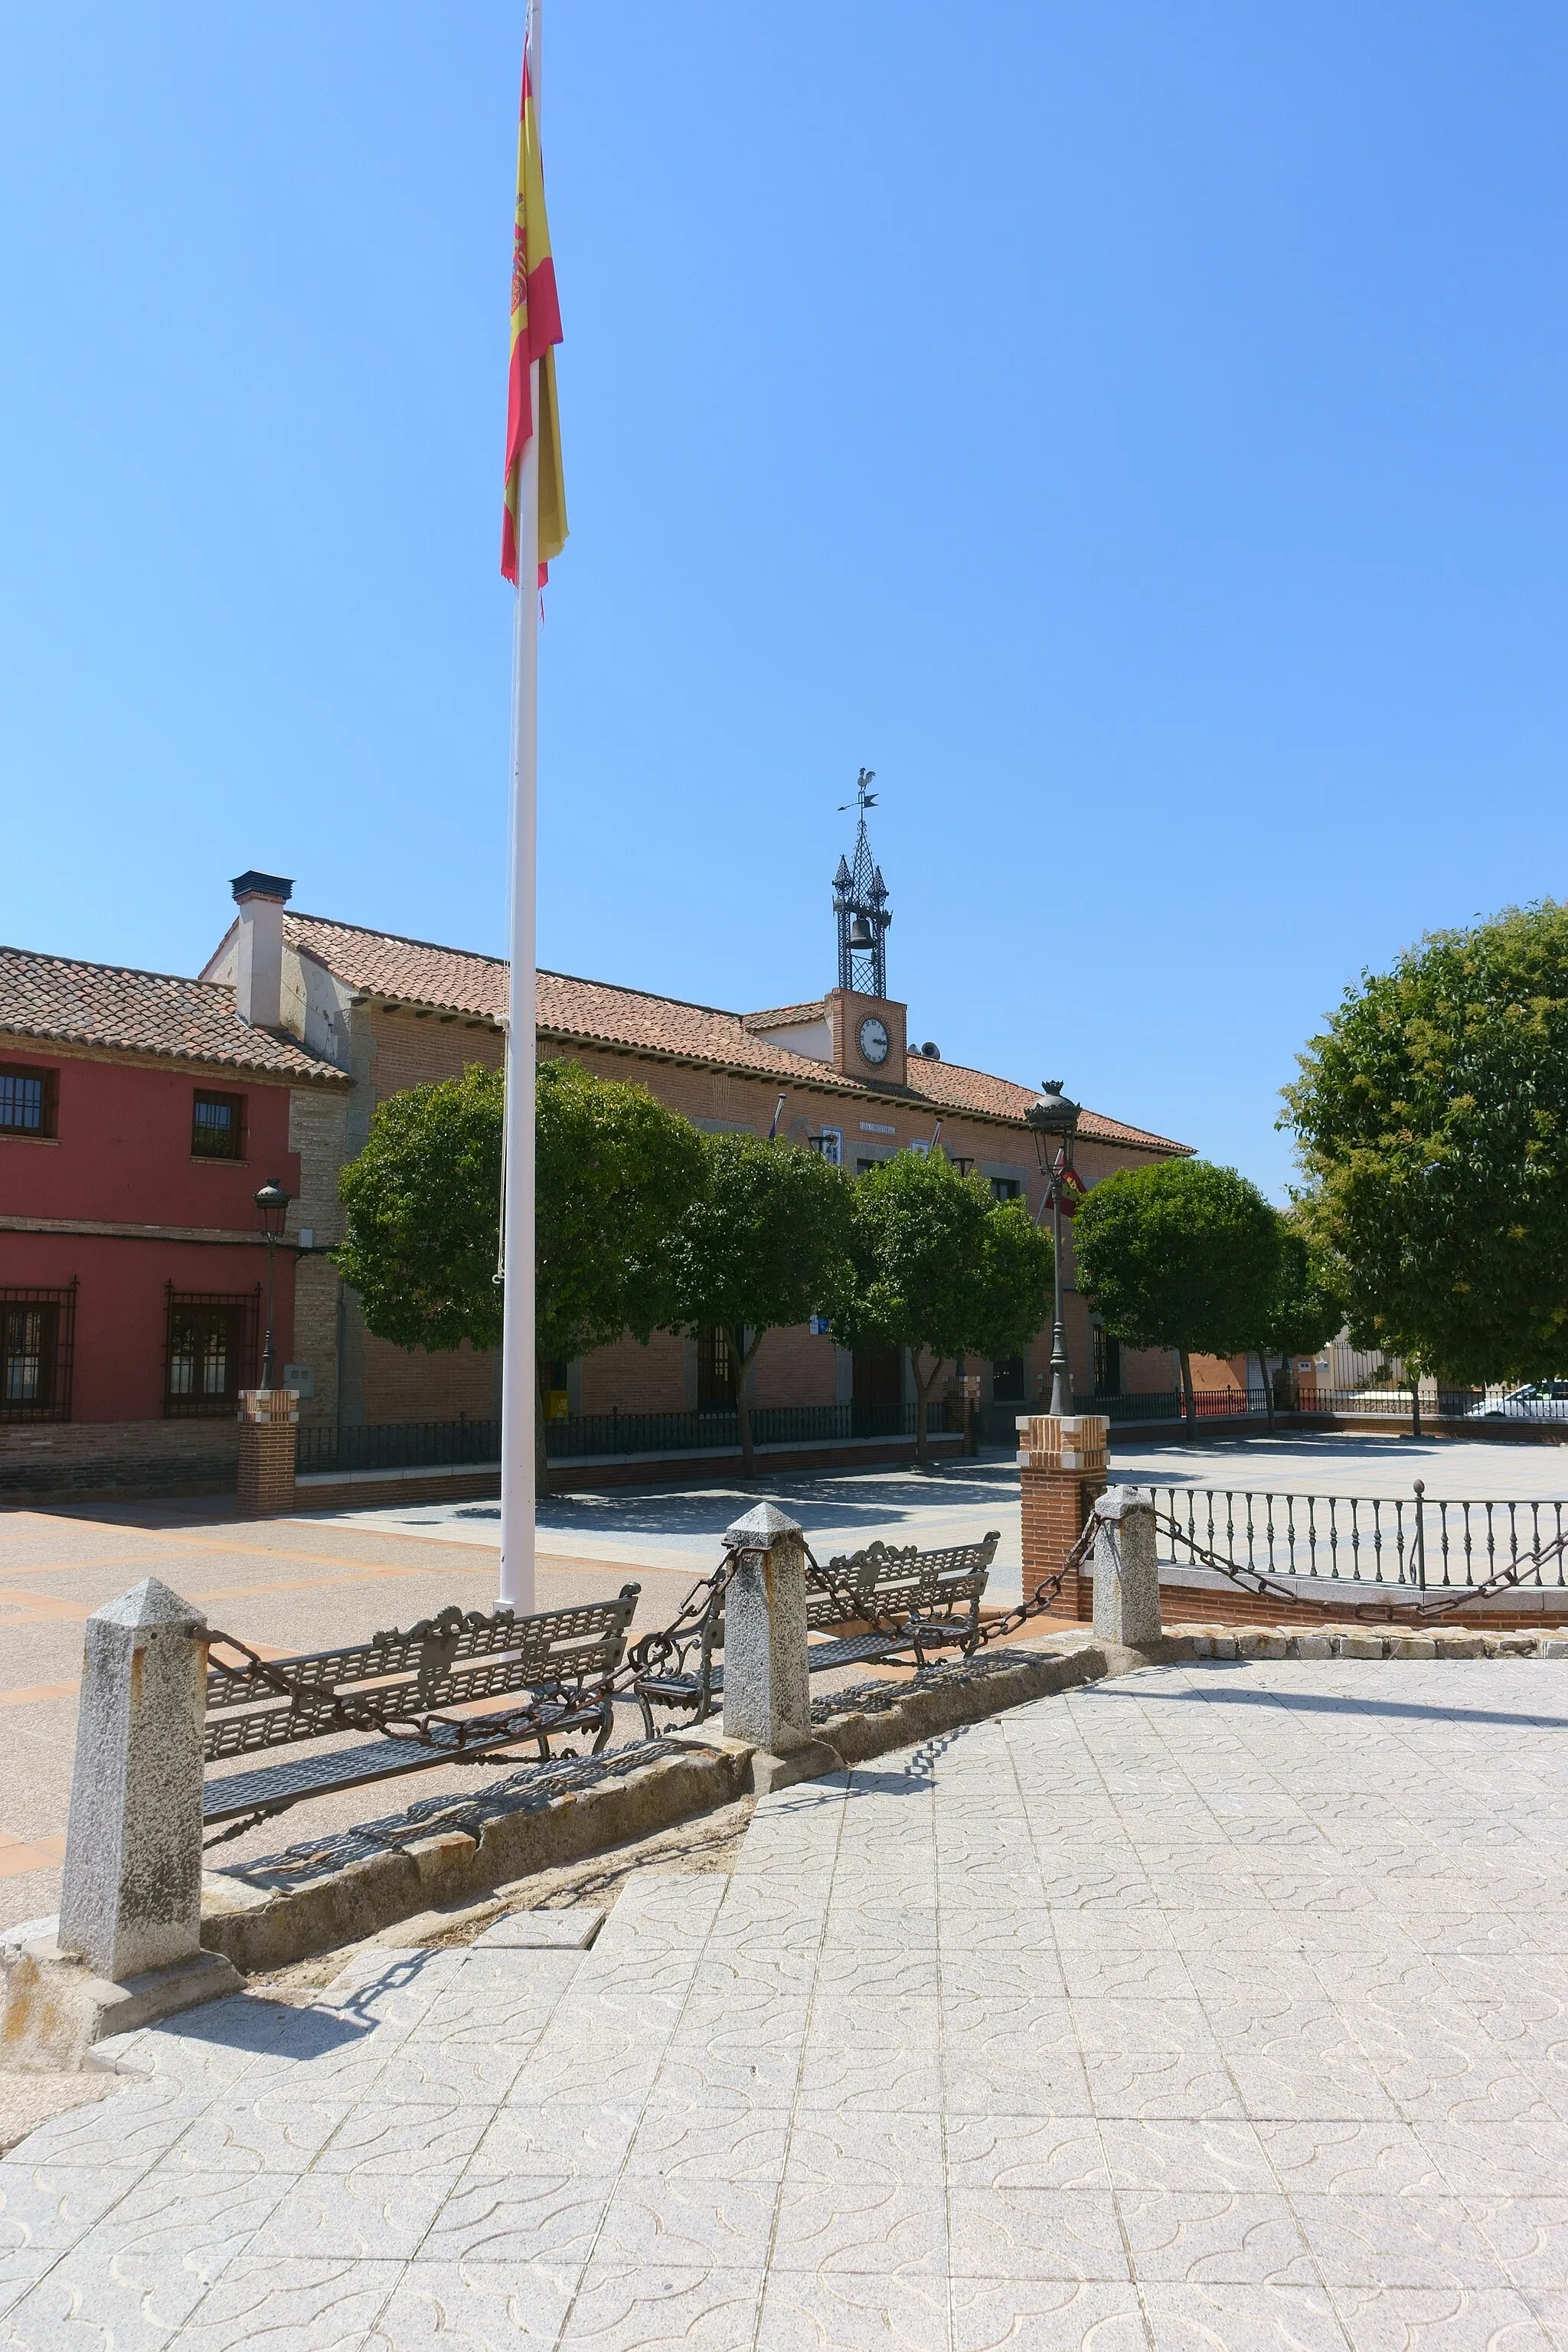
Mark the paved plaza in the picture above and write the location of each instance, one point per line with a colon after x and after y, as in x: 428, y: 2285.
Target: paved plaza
x: 1211, y: 2007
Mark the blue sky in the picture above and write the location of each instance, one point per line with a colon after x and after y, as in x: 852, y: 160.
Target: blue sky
x: 1136, y: 432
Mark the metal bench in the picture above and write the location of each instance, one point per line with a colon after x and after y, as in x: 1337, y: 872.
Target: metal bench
x: 905, y: 1602
x: 401, y: 1686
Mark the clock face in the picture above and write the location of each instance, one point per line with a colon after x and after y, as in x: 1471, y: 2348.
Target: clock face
x: 874, y: 1040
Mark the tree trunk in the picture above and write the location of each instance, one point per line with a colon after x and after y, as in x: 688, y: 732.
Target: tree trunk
x: 922, y: 1400
x: 1267, y: 1389
x: 541, y: 1455
x: 1414, y: 1403
x: 742, y: 1358
x: 1189, y: 1394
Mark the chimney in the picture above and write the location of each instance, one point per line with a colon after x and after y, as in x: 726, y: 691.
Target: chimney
x: 258, y: 977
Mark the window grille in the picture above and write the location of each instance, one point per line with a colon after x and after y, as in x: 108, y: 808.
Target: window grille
x: 1007, y: 1187
x: 1107, y: 1363
x: 37, y: 1346
x: 715, y: 1370
x: 27, y: 1100
x: 1007, y: 1380
x: 218, y: 1127
x: 209, y: 1350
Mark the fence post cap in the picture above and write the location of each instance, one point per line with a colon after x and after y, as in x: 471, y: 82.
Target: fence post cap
x: 760, y: 1530
x: 1117, y: 1501
x: 151, y: 1604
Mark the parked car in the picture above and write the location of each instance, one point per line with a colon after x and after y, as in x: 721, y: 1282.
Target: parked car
x: 1536, y: 1401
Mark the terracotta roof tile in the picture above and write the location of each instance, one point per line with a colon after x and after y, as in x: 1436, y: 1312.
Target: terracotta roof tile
x: 413, y: 971
x: 58, y: 999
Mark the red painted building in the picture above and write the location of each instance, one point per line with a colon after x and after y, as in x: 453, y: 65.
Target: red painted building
x: 138, y: 1115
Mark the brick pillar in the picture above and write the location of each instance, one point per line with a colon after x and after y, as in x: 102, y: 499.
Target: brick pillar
x: 1061, y: 1470
x: 268, y: 1433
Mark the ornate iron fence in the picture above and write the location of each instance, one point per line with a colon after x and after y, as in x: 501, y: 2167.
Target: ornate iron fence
x: 1414, y: 1545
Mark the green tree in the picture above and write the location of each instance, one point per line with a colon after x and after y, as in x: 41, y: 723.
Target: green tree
x: 1431, y: 1115
x: 614, y: 1173
x: 939, y: 1268
x: 422, y: 1199
x: 1180, y: 1255
x: 759, y: 1247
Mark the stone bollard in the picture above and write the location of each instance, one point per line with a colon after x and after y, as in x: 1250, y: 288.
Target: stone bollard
x: 1126, y: 1571
x: 269, y: 1440
x: 767, y: 1686
x: 1061, y: 1469
x: 127, y: 1945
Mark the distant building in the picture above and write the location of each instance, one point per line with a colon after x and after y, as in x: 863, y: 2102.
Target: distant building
x: 129, y: 1247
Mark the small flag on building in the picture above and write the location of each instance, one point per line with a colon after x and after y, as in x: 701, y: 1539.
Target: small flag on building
x: 535, y: 331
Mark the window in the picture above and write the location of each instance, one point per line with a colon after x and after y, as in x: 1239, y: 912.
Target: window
x: 27, y: 1100
x: 1007, y: 1380
x: 218, y: 1127
x: 1107, y: 1363
x: 829, y: 1146
x: 715, y: 1372
x: 210, y: 1350
x: 38, y: 1329
x: 1007, y: 1187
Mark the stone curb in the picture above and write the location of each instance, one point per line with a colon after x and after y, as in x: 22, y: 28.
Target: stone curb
x: 1359, y: 1642
x: 262, y: 1927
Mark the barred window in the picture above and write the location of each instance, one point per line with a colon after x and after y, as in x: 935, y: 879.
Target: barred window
x: 38, y: 1332
x: 209, y: 1352
x: 27, y: 1099
x: 218, y: 1127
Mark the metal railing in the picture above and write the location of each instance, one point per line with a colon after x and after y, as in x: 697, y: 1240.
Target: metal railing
x: 1494, y: 1405
x: 435, y: 1444
x: 1417, y: 1542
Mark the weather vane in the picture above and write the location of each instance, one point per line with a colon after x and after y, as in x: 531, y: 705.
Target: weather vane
x: 865, y: 797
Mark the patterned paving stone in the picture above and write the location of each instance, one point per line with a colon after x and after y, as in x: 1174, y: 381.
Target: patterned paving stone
x: 1222, y: 2007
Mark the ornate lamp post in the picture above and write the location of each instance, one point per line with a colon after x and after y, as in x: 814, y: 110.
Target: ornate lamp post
x: 271, y: 1207
x: 1055, y: 1119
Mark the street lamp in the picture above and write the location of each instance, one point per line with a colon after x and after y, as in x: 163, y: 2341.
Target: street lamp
x: 271, y: 1207
x: 1056, y: 1118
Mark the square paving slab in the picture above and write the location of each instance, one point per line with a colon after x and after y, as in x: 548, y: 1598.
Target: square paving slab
x: 1213, y: 2007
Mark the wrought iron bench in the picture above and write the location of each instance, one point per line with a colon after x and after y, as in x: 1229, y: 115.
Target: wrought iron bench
x: 905, y: 1602
x: 400, y: 1687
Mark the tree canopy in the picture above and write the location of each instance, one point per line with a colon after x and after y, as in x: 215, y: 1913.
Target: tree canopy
x: 1431, y: 1115
x: 939, y: 1268
x: 615, y: 1171
x: 1180, y: 1255
x: 422, y: 1198
x: 759, y: 1247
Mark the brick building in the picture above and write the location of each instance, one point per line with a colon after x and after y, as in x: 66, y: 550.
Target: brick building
x: 836, y: 1072
x: 139, y: 1114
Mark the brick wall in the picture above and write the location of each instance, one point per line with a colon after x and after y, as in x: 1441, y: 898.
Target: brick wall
x: 126, y: 1457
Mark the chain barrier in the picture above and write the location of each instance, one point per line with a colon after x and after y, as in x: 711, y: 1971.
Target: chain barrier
x: 1420, y: 1605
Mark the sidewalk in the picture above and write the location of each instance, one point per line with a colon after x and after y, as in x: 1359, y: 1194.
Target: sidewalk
x: 1211, y: 2006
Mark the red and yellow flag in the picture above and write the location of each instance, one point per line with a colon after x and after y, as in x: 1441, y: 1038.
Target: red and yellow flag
x: 535, y: 331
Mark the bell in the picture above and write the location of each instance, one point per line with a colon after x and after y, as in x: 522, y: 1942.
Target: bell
x: 861, y: 935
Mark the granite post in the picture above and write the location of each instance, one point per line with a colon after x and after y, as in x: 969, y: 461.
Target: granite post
x: 1126, y: 1571
x: 131, y: 1893
x: 767, y: 1688
x: 127, y: 1945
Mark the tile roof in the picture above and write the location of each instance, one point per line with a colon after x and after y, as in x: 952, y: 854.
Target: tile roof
x: 59, y: 999
x: 413, y: 971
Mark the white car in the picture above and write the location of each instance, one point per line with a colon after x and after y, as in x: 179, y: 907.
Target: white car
x: 1537, y: 1401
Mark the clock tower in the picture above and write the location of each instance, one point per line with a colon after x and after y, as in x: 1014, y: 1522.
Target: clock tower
x: 867, y: 1028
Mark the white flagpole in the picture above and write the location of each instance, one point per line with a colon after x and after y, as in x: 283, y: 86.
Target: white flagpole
x: 519, y: 1354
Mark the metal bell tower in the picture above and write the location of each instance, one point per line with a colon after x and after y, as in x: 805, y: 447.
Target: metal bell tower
x: 860, y: 907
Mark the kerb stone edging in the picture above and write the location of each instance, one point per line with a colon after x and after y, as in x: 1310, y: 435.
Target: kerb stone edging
x: 260, y: 1929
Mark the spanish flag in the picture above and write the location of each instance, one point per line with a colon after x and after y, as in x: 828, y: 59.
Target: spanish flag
x: 535, y: 331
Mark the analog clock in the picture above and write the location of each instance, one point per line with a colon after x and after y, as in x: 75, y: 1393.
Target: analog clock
x: 875, y: 1041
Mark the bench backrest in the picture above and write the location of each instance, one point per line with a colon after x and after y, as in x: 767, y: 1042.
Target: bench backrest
x: 902, y: 1581
x: 442, y: 1661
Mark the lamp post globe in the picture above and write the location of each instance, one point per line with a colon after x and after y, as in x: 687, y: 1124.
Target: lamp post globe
x: 1054, y: 1118
x: 271, y: 1208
